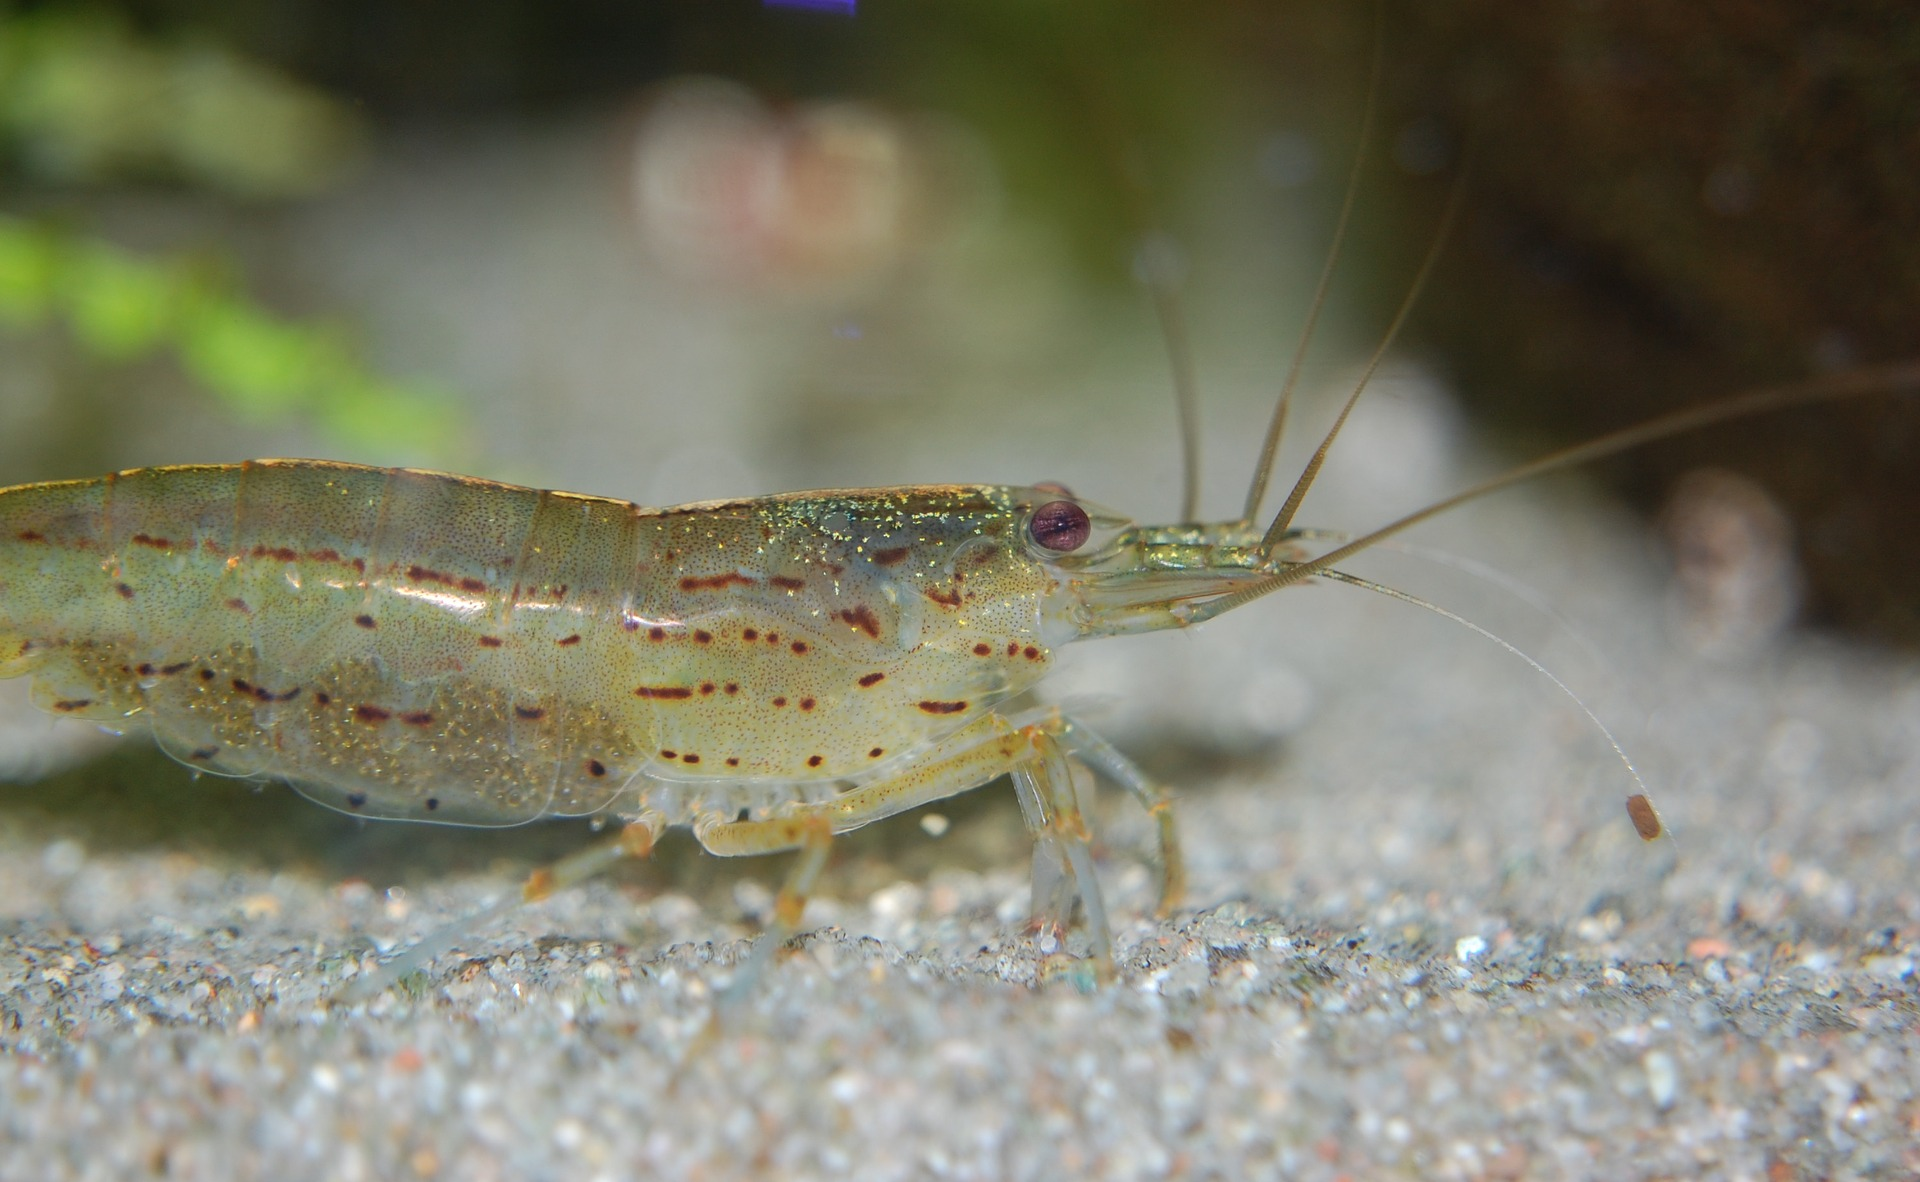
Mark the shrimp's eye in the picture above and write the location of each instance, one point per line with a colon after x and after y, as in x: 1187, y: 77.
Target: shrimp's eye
x: 1060, y: 526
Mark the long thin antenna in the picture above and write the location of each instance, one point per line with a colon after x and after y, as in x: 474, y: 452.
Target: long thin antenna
x: 1881, y: 380
x: 1284, y: 518
x: 1277, y: 425
x: 1157, y: 264
x: 1521, y: 590
x: 1159, y: 267
x: 1340, y: 576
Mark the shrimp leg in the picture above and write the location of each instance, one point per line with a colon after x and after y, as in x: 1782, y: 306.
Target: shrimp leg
x: 1100, y: 755
x: 991, y: 747
x: 635, y: 840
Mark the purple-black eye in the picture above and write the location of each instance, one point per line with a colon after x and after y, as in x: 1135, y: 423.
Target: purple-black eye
x: 1060, y: 526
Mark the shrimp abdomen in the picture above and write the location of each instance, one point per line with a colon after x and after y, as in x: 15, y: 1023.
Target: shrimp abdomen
x: 349, y: 628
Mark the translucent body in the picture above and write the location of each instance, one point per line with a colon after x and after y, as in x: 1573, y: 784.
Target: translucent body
x: 410, y: 644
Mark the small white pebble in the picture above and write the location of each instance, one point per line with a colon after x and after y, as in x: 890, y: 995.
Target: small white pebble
x: 1469, y: 947
x: 326, y: 1077
x: 1898, y: 968
x: 935, y: 824
x: 895, y: 902
x: 846, y: 1087
x: 1663, y: 1078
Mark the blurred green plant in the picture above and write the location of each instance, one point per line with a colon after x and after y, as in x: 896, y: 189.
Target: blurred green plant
x: 83, y: 100
x: 121, y: 307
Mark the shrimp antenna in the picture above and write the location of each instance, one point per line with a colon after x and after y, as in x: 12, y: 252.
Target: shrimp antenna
x: 1159, y: 268
x: 1277, y: 425
x: 1340, y: 576
x: 1157, y: 262
x: 1880, y: 380
x: 1277, y: 531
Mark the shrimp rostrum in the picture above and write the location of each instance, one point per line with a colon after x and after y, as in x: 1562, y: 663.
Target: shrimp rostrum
x: 413, y: 645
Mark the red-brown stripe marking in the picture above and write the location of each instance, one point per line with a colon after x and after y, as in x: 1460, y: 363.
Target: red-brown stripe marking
x: 668, y: 692
x: 733, y: 687
x: 365, y: 621
x: 891, y: 555
x: 564, y: 641
x: 417, y: 718
x: 715, y: 582
x: 806, y: 703
x: 491, y: 642
x: 814, y: 761
x: 943, y: 598
x: 125, y: 591
x: 749, y: 634
x: 239, y: 605
x: 69, y: 705
x: 596, y: 769
x: 788, y: 582
x: 800, y: 648
x: 529, y: 713
x: 31, y: 535
x: 372, y: 714
x: 689, y: 757
x: 862, y: 617
x: 702, y: 636
x: 876, y: 753
x: 982, y: 649
x: 151, y: 541
x: 943, y: 707
x: 472, y: 585
x: 422, y: 574
x: 871, y: 680
x: 780, y: 701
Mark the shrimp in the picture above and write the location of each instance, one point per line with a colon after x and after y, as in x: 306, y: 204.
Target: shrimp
x: 414, y: 645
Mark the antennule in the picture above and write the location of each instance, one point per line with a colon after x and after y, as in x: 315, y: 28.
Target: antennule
x: 1277, y: 425
x: 1882, y: 380
x: 1284, y: 518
